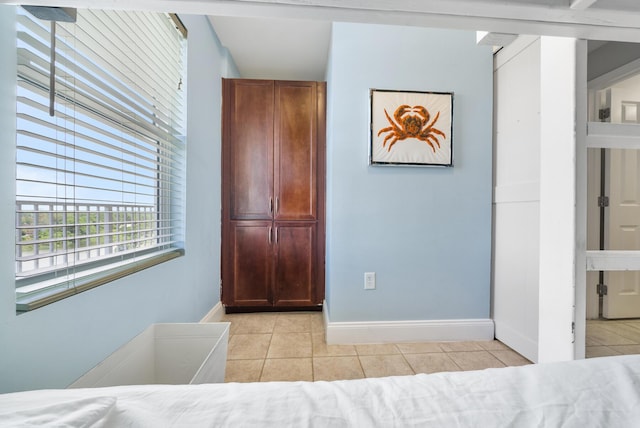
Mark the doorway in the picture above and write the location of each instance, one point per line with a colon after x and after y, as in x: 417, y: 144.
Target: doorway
x: 613, y: 213
x: 613, y: 219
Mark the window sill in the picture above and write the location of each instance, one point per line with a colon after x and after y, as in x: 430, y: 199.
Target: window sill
x: 32, y: 297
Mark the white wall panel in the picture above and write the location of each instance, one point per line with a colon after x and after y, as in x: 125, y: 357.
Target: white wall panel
x: 517, y: 195
x: 534, y: 269
x: 557, y: 198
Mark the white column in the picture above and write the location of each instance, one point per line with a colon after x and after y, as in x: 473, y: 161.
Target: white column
x: 581, y: 200
x: 557, y: 198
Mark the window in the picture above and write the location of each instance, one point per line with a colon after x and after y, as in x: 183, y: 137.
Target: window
x: 100, y: 165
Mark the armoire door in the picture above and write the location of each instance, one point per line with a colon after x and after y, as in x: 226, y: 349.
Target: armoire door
x: 295, y: 158
x: 250, y: 157
x: 294, y: 245
x: 252, y: 257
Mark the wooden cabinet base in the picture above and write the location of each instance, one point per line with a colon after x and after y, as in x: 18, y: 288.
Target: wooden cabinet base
x: 249, y: 309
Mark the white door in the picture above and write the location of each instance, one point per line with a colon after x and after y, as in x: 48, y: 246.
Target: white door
x: 623, y: 232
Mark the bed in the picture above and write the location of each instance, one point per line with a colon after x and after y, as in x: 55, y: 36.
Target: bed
x: 600, y: 392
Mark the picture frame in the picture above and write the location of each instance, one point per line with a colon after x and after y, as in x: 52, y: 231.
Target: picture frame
x: 411, y: 128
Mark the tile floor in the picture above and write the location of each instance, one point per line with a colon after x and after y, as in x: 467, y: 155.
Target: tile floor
x: 617, y: 337
x: 290, y: 346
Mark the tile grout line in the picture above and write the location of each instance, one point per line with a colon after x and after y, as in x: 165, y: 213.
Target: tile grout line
x: 407, y: 361
x: 364, y: 374
x: 266, y: 354
x: 497, y: 358
x: 453, y: 361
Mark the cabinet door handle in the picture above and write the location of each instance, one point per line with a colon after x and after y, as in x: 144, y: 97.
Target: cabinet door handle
x: 270, y: 205
x: 276, y: 235
x: 269, y: 235
x: 277, y: 204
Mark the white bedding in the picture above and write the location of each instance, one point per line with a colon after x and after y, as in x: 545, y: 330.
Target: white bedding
x: 601, y: 392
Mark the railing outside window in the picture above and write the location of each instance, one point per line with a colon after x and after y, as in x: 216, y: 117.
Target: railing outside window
x: 55, y: 236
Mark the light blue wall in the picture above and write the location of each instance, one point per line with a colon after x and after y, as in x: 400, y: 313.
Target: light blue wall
x: 53, y: 345
x: 426, y: 232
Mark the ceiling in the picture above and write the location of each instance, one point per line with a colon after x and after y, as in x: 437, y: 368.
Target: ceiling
x: 289, y: 39
x: 284, y: 49
x: 297, y: 49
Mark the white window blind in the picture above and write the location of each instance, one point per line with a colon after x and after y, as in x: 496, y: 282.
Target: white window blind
x: 100, y: 184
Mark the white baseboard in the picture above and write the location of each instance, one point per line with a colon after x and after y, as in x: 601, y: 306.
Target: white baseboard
x: 339, y: 333
x: 215, y: 314
x: 393, y: 331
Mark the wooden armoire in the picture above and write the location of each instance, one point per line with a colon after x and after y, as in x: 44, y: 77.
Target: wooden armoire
x: 273, y: 208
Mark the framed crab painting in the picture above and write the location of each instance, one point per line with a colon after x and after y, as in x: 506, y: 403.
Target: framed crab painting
x: 411, y: 128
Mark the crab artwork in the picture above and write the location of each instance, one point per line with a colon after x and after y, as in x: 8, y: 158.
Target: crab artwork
x: 411, y: 122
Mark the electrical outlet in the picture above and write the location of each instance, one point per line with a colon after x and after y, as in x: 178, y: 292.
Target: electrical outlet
x: 369, y: 280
